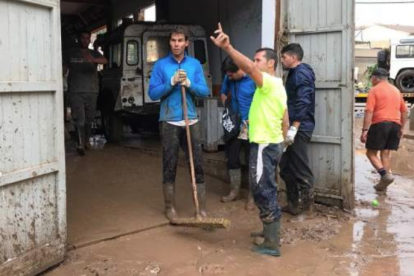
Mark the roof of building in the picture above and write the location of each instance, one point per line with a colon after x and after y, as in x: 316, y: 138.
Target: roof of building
x: 401, y: 28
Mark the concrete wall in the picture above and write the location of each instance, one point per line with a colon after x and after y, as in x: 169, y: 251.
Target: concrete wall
x: 241, y: 19
x: 268, y: 23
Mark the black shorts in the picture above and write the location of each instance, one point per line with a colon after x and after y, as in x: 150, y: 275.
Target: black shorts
x: 384, y: 135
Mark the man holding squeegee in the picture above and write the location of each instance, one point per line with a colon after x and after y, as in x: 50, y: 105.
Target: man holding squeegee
x: 268, y: 125
x: 169, y: 74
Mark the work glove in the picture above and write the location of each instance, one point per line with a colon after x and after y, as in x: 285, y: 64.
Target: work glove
x: 180, y: 76
x: 290, y: 136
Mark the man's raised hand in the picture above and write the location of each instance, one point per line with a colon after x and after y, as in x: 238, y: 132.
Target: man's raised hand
x: 222, y: 40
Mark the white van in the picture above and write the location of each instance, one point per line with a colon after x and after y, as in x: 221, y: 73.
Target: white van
x: 402, y: 65
x: 133, y: 51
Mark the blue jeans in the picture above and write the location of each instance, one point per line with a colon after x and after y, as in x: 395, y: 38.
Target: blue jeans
x: 263, y: 161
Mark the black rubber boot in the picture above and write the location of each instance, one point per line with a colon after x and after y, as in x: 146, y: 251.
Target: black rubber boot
x: 292, y: 193
x: 80, y: 140
x: 270, y: 246
x: 88, y: 134
x: 308, y: 200
x: 169, y: 202
x: 201, y: 195
x: 235, y: 183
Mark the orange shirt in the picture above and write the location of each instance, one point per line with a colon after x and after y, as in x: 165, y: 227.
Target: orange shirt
x: 386, y: 102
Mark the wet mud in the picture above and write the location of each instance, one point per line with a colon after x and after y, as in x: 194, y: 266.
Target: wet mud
x: 369, y: 241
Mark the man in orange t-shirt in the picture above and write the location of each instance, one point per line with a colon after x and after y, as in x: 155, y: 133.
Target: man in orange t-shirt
x: 384, y: 120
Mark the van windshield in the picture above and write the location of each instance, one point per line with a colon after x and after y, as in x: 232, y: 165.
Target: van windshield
x: 157, y: 47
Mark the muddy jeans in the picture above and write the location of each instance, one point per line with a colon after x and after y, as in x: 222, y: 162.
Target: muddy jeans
x: 172, y: 137
x: 294, y: 166
x: 83, y: 106
x: 264, y: 159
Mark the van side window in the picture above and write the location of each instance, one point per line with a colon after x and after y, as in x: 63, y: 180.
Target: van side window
x: 200, y: 51
x: 406, y: 51
x: 132, y: 56
x: 157, y: 47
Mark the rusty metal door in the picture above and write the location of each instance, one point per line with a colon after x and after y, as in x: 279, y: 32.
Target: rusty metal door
x: 32, y: 169
x: 325, y: 29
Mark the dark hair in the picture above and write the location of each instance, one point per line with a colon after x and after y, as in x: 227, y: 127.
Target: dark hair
x: 269, y: 54
x: 380, y: 73
x: 293, y: 49
x: 228, y: 65
x: 81, y: 32
x: 179, y: 30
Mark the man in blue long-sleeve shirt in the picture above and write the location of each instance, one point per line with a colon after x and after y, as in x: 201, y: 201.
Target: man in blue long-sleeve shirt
x: 294, y: 165
x: 241, y: 88
x: 169, y: 74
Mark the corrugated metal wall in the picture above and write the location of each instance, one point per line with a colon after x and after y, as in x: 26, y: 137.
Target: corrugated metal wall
x: 325, y: 30
x: 32, y: 178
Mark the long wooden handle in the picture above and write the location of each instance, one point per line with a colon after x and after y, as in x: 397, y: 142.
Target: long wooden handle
x: 190, y: 152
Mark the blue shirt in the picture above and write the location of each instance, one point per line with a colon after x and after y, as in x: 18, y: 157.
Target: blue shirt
x: 243, y: 89
x: 160, y: 87
x: 300, y: 89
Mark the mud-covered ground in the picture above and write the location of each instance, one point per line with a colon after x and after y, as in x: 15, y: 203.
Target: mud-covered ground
x: 115, y: 192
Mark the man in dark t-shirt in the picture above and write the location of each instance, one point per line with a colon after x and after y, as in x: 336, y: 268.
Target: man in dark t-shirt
x: 83, y: 87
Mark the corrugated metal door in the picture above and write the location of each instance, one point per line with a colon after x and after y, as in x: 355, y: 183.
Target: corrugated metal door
x: 325, y: 30
x: 32, y: 181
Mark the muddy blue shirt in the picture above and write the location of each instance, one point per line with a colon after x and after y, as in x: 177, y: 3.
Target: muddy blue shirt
x: 243, y: 89
x: 160, y: 87
x: 300, y: 89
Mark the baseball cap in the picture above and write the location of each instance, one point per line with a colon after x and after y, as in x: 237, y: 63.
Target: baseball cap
x: 380, y: 72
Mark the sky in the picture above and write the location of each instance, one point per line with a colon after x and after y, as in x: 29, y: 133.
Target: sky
x: 398, y: 14
x: 150, y: 13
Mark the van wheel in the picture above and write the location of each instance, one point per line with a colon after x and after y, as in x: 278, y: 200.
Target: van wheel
x: 405, y: 81
x: 112, y: 127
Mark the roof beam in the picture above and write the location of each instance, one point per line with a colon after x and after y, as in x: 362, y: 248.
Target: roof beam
x: 88, y: 2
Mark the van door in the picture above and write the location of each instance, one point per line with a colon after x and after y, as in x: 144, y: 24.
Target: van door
x: 32, y: 156
x: 325, y: 29
x: 131, y: 82
x: 198, y: 50
x: 155, y: 46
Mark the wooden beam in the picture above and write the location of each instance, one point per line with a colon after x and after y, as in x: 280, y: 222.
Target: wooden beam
x: 88, y: 2
x: 278, y: 20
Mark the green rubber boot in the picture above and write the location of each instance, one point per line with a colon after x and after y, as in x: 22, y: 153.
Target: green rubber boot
x: 169, y: 201
x: 235, y: 183
x: 270, y: 246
